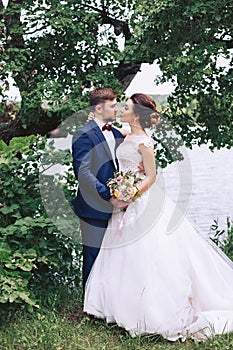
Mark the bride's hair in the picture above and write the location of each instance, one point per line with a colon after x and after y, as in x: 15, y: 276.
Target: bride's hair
x: 145, y: 107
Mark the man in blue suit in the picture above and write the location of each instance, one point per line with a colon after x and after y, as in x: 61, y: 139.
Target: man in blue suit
x: 94, y: 162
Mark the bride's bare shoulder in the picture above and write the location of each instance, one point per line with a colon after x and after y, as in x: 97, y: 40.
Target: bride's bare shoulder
x: 124, y: 132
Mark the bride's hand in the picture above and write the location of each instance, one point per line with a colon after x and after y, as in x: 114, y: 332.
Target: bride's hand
x: 119, y: 204
x: 90, y: 117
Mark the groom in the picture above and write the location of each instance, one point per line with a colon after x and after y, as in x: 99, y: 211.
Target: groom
x: 94, y: 162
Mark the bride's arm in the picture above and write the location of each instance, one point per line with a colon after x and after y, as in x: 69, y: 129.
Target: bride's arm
x: 148, y: 159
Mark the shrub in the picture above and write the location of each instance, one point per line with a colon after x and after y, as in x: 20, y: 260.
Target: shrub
x: 223, y: 239
x: 33, y: 248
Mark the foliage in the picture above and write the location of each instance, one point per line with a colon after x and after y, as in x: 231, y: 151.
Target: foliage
x: 187, y: 39
x: 33, y: 251
x: 223, y: 239
x: 56, y: 51
x: 168, y: 143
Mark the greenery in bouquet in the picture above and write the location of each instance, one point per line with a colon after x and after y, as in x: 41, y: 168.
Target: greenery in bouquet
x: 124, y: 185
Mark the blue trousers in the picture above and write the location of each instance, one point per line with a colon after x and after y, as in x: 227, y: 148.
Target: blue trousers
x: 92, y: 235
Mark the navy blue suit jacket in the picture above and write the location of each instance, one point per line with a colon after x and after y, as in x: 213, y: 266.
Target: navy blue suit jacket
x: 93, y: 166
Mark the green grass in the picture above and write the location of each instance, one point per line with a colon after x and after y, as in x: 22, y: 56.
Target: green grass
x: 58, y: 325
x: 50, y: 330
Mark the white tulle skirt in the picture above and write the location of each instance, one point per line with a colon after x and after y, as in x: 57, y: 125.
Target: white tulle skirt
x: 156, y: 274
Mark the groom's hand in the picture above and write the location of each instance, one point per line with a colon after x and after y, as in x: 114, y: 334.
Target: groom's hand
x: 141, y: 169
x: 119, y: 204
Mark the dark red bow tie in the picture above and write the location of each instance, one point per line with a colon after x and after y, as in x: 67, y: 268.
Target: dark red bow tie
x: 106, y: 127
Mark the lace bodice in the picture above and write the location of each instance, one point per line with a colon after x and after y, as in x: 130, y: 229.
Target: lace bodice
x: 127, y: 153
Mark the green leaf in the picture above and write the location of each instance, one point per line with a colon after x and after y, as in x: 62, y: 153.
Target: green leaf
x: 3, y: 146
x: 9, y: 209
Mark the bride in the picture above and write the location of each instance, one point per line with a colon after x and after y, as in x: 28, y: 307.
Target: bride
x: 148, y: 278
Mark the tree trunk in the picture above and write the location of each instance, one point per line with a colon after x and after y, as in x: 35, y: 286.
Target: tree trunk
x: 125, y: 73
x: 43, y: 127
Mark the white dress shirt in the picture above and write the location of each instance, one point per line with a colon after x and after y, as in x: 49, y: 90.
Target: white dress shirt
x: 109, y: 137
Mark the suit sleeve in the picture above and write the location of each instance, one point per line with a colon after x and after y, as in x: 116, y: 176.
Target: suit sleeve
x: 82, y: 158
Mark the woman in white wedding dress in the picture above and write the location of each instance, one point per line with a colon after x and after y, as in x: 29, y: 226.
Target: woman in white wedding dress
x: 150, y: 277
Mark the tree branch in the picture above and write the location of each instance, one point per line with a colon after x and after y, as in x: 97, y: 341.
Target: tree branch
x: 43, y: 127
x: 120, y: 27
x: 228, y: 43
x: 1, y: 10
x: 125, y: 72
x: 45, y: 26
x: 12, y: 19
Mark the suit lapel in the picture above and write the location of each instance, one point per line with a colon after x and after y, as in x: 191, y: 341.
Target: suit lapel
x: 98, y: 133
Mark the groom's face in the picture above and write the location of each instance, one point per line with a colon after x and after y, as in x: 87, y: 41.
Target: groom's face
x: 109, y: 110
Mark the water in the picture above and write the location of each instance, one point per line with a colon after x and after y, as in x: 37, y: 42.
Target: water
x: 211, y: 196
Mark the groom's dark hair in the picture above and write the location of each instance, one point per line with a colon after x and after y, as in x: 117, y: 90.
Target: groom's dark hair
x: 101, y: 95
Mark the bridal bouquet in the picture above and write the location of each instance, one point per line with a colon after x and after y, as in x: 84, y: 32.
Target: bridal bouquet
x: 124, y: 186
